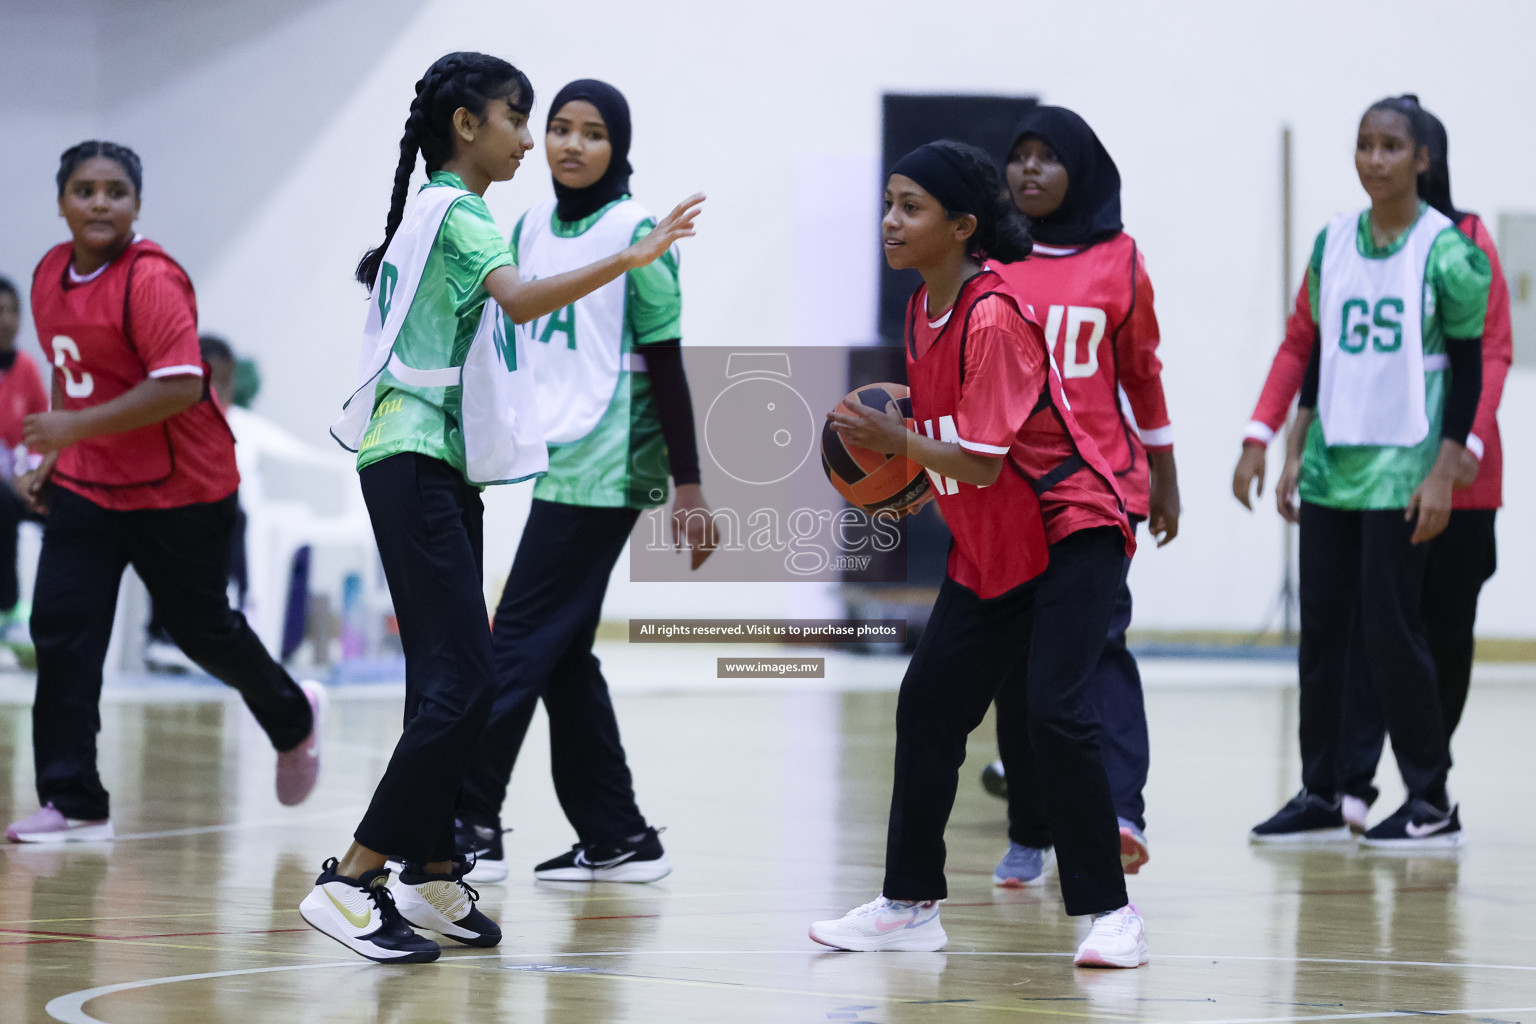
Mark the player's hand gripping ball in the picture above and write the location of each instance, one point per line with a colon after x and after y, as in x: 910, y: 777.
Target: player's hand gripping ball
x: 874, y: 481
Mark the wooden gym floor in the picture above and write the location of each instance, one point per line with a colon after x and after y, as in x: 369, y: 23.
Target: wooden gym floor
x: 775, y: 803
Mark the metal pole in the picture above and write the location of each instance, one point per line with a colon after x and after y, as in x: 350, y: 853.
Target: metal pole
x: 1288, y: 590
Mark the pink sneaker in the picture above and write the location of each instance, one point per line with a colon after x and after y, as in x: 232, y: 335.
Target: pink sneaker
x: 299, y: 768
x: 49, y: 826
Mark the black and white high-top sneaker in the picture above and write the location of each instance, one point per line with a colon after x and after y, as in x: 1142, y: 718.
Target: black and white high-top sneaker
x: 360, y: 914
x: 641, y: 861
x: 1418, y: 825
x: 445, y: 903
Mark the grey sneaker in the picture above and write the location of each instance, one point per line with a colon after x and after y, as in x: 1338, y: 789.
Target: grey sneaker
x: 1022, y: 865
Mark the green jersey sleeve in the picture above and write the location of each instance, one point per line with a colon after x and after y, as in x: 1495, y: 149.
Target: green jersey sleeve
x: 1460, y: 275
x: 472, y: 247
x: 1315, y: 273
x: 655, y: 306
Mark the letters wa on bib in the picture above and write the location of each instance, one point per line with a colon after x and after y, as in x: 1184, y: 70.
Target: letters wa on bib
x: 596, y: 400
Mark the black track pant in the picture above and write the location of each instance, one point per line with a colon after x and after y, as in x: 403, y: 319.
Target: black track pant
x: 182, y: 555
x: 427, y: 521
x: 542, y: 643
x: 1363, y: 560
x: 12, y: 512
x: 1114, y: 694
x: 1041, y: 640
x: 1460, y: 561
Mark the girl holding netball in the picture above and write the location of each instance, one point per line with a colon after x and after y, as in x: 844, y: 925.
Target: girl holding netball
x: 615, y: 408
x: 1040, y: 541
x: 1087, y: 281
x: 1462, y: 558
x: 444, y: 406
x: 1397, y: 300
x: 138, y: 469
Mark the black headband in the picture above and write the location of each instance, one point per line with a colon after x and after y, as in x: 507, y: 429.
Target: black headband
x: 940, y: 175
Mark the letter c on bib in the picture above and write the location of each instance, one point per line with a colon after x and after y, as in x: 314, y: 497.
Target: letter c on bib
x: 64, y: 350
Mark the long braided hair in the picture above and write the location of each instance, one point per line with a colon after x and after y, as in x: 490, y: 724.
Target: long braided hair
x: 78, y: 154
x: 463, y: 79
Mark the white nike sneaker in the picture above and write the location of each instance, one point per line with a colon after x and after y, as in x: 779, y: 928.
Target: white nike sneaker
x: 48, y: 825
x: 445, y: 904
x: 360, y: 914
x: 885, y: 924
x: 1117, y: 939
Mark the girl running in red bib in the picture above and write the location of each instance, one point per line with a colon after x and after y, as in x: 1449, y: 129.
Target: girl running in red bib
x: 1040, y: 539
x: 139, y: 469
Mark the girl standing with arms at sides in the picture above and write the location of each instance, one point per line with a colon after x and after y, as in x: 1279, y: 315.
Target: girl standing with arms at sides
x: 1398, y: 299
x: 1040, y: 541
x: 1463, y: 557
x: 21, y: 394
x: 138, y: 469
x: 436, y: 416
x: 615, y: 408
x: 1087, y: 279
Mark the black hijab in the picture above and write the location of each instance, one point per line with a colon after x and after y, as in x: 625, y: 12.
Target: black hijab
x: 1090, y: 211
x: 572, y: 204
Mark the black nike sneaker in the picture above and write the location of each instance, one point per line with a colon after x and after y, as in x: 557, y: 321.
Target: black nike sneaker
x: 622, y: 861
x: 1417, y: 825
x: 1307, y: 818
x: 483, y: 846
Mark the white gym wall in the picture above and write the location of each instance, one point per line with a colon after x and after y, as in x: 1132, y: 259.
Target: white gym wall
x: 269, y: 135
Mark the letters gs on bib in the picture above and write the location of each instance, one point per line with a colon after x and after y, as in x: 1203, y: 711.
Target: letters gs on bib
x: 1381, y: 327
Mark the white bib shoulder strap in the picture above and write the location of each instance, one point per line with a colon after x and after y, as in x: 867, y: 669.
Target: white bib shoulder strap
x: 390, y: 303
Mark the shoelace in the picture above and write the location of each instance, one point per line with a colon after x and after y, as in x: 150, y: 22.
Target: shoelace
x: 876, y: 905
x: 383, y: 899
x: 1113, y: 921
x: 470, y: 891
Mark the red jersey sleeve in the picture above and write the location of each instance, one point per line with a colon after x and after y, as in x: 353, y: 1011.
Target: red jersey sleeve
x: 1286, y: 372
x: 1498, y: 343
x: 30, y: 383
x: 1141, y: 372
x: 162, y: 321
x: 1005, y: 372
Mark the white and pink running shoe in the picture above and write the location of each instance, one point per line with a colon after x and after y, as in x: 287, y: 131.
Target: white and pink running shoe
x: 47, y: 825
x: 885, y: 924
x: 1117, y: 939
x: 298, y: 769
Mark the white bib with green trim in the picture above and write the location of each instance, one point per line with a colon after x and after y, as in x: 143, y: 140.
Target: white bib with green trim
x: 1371, y: 332
x: 576, y: 352
x: 503, y: 439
